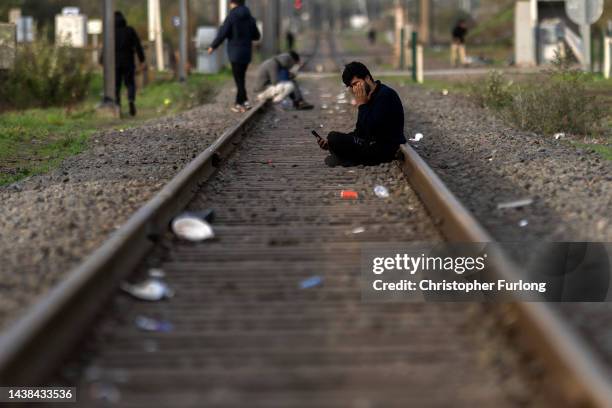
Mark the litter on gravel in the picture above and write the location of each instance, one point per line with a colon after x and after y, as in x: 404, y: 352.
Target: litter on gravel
x: 417, y: 138
x: 151, y: 290
x: 358, y: 230
x: 153, y: 325
x: 559, y: 136
x: 157, y: 273
x: 192, y: 227
x: 524, y: 202
x: 523, y: 223
x: 381, y: 192
x: 311, y: 282
x: 349, y: 195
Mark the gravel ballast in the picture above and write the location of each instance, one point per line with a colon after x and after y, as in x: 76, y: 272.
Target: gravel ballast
x: 51, y: 222
x: 486, y: 163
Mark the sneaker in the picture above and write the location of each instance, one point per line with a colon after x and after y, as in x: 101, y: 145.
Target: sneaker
x: 247, y: 105
x: 238, y: 108
x: 303, y: 105
x: 132, y: 109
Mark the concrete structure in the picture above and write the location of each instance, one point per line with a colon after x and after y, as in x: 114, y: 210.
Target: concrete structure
x: 156, y: 33
x: 8, y: 44
x: 71, y: 29
x: 537, y: 23
x: 524, y: 38
x: 207, y: 64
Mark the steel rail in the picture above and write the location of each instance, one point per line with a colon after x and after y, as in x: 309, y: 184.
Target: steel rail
x: 37, y: 342
x: 586, y: 380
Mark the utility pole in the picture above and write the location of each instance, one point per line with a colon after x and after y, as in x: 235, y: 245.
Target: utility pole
x: 222, y: 11
x: 183, y: 40
x: 155, y: 32
x: 424, y: 21
x: 399, y: 29
x: 109, y: 103
x: 585, y: 31
x: 271, y: 27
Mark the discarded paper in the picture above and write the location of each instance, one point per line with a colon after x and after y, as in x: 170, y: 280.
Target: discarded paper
x: 381, y: 192
x: 151, y: 290
x: 193, y: 228
x: 417, y: 138
x: 515, y: 204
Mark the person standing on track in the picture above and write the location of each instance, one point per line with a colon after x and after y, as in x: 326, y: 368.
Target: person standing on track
x: 240, y: 30
x: 380, y: 122
x: 127, y: 43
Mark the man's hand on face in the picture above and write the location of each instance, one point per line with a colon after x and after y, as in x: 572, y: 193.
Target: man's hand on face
x: 361, y: 96
x: 323, y: 144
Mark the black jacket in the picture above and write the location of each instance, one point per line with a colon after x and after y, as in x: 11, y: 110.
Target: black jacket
x: 459, y: 34
x: 381, y: 120
x: 240, y: 30
x: 127, y: 44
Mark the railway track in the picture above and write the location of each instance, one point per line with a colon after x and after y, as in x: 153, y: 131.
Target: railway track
x: 243, y: 331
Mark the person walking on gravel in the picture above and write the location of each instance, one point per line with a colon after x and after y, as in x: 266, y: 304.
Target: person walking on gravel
x: 240, y: 30
x: 127, y: 43
x: 380, y: 122
x: 276, y: 81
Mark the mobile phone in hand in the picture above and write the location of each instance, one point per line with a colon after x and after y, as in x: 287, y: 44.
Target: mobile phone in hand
x: 315, y: 134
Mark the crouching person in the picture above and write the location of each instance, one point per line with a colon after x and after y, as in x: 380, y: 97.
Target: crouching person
x: 379, y: 131
x: 276, y: 81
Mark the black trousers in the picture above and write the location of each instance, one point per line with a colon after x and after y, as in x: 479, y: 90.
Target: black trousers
x: 296, y: 95
x: 239, y: 71
x: 350, y: 148
x: 125, y: 75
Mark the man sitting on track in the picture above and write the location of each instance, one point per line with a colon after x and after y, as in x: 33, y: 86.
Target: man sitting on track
x: 276, y: 81
x: 380, y: 123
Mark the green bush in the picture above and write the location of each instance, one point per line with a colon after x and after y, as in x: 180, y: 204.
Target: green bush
x: 494, y: 93
x: 559, y: 101
x: 45, y: 75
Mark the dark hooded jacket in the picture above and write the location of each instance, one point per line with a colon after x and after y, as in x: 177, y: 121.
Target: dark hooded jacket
x: 240, y: 30
x: 127, y: 44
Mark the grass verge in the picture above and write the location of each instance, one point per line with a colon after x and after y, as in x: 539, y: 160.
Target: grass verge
x: 34, y: 141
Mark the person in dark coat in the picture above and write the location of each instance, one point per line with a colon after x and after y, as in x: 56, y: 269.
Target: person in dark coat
x: 290, y: 38
x: 458, y: 43
x: 127, y: 43
x: 240, y: 30
x: 379, y: 131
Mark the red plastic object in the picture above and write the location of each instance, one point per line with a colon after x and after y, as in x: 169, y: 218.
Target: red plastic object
x: 349, y: 195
